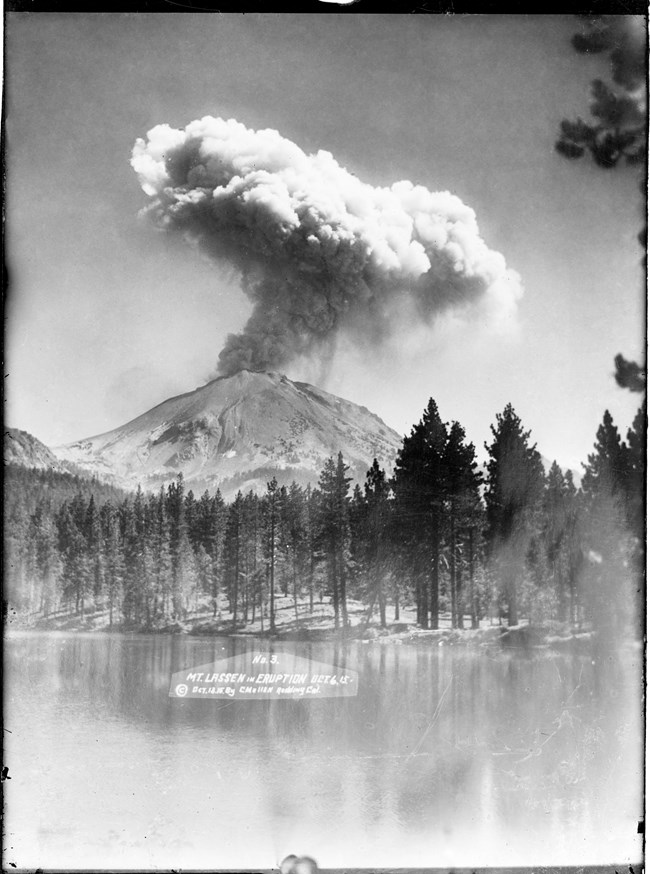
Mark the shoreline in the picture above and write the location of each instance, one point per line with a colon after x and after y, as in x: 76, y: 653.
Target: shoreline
x: 321, y: 629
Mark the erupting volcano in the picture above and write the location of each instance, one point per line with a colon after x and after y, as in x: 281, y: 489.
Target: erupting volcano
x: 238, y: 432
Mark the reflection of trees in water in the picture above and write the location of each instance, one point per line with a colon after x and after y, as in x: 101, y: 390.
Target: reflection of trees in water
x: 434, y: 737
x: 560, y: 749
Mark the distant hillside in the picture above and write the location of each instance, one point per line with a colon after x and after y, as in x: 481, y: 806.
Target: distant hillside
x: 29, y: 486
x: 26, y: 450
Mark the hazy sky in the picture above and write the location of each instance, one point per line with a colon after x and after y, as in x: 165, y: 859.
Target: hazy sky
x: 107, y: 316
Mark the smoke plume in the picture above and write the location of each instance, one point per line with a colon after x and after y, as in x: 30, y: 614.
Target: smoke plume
x: 320, y: 254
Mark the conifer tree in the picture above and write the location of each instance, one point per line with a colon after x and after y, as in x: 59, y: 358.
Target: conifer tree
x: 310, y: 540
x: 94, y: 545
x: 282, y: 541
x: 178, y: 530
x: 295, y: 540
x: 250, y: 549
x: 462, y: 505
x: 557, y: 534
x: 233, y: 553
x: 162, y: 610
x: 214, y: 543
x: 419, y: 485
x: 47, y: 564
x: 343, y: 531
x: 636, y: 479
x: 515, y: 484
x: 186, y: 579
x: 204, y: 572
x: 270, y: 543
x: 206, y: 533
x: 72, y: 548
x: 635, y: 474
x: 334, y: 532
x: 604, y: 489
x: 377, y: 526
x: 132, y: 547
x: 16, y: 550
x: 113, y: 559
x: 360, y: 577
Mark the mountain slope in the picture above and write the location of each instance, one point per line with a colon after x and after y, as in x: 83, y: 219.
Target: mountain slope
x: 25, y: 450
x: 238, y: 432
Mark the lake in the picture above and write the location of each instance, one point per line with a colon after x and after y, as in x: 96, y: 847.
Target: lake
x: 445, y: 757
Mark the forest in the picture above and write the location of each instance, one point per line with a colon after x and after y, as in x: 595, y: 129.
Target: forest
x: 456, y: 543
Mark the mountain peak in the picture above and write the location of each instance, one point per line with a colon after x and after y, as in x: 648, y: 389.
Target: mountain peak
x: 237, y: 432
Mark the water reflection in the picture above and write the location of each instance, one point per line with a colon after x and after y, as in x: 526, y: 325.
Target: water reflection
x: 445, y: 757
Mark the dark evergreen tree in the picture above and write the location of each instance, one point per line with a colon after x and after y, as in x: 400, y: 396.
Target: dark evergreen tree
x: 206, y: 533
x: 635, y: 474
x: 132, y: 545
x: 113, y: 560
x: 162, y: 609
x: 250, y: 553
x: 618, y: 130
x: 419, y: 485
x: 16, y: 547
x: 558, y: 529
x: 334, y: 532
x: 72, y: 549
x: 607, y: 535
x: 296, y: 553
x: 178, y: 531
x: 270, y: 543
x: 360, y: 579
x: 233, y: 547
x: 94, y: 546
x: 310, y: 541
x: 462, y: 506
x: 47, y: 566
x: 617, y: 133
x: 515, y: 484
x: 186, y: 578
x: 636, y: 479
x: 376, y: 552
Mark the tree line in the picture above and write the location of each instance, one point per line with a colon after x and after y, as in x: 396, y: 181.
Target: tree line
x: 439, y: 535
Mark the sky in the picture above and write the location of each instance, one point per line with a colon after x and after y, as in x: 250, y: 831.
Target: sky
x: 108, y: 316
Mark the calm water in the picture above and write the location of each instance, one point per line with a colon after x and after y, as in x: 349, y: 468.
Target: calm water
x: 445, y: 757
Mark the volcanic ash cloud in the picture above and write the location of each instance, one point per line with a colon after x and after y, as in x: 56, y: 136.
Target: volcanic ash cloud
x: 320, y: 253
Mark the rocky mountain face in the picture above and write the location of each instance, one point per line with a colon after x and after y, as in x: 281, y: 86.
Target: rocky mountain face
x: 236, y: 433
x: 25, y: 450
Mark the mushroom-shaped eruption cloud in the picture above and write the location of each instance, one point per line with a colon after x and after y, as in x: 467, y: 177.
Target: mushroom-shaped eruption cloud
x: 319, y: 253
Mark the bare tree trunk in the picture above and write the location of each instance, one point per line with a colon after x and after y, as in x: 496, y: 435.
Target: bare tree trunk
x: 311, y: 582
x: 272, y: 578
x: 295, y: 585
x: 335, y: 586
x: 382, y: 601
x: 511, y: 597
x: 421, y: 602
x: 435, y: 578
x: 473, y: 592
x: 236, y: 592
x: 344, y: 605
x: 452, y: 575
x: 459, y: 588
